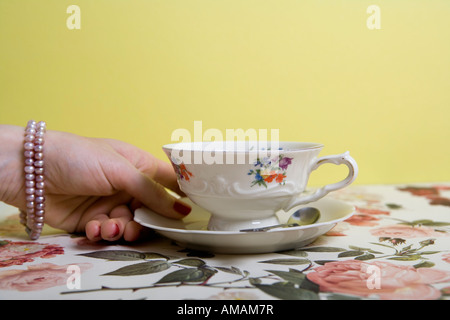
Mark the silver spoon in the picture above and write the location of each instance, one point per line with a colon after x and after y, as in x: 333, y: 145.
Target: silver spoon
x: 301, y: 217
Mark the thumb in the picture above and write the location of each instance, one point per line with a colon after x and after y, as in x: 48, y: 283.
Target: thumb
x: 149, y: 192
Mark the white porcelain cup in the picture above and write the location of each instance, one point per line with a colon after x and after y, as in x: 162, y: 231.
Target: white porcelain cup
x: 243, y: 184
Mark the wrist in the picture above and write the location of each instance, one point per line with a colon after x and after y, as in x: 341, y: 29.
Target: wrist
x: 11, y: 166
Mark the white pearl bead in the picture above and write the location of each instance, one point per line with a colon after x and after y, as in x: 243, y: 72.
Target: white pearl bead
x: 30, y: 130
x: 28, y: 154
x: 39, y: 163
x: 40, y: 185
x: 39, y: 156
x: 29, y: 138
x: 29, y: 169
x: 40, y: 206
x: 29, y: 183
x: 28, y: 146
x: 39, y: 225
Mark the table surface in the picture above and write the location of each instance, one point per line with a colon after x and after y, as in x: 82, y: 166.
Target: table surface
x: 396, y: 246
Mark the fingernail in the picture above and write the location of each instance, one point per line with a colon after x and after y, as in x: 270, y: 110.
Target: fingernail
x: 181, y: 208
x: 116, y: 231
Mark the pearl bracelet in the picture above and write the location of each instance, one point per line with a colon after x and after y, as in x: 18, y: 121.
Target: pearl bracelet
x: 33, y: 217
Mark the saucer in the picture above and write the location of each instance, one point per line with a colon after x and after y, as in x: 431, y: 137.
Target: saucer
x: 191, y: 232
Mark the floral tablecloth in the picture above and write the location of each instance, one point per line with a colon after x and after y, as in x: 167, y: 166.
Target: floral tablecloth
x: 396, y: 246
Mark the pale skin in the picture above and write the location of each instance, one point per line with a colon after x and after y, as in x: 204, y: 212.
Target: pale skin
x: 92, y: 185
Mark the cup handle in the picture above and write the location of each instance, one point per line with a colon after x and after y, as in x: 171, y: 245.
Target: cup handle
x: 343, y: 158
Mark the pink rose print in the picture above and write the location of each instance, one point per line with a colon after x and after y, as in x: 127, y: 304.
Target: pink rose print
x: 446, y: 257
x: 372, y: 211
x: 396, y: 281
x: 431, y: 193
x: 363, y: 220
x: 37, y: 277
x: 20, y: 252
x: 406, y: 232
x: 366, y: 217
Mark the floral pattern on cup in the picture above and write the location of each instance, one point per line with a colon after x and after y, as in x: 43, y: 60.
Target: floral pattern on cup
x: 181, y: 171
x: 268, y: 170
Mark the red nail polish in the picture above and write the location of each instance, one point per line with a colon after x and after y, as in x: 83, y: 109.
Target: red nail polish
x: 181, y: 208
x: 116, y: 230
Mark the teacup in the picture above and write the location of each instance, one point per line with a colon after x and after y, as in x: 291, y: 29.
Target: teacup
x: 244, y: 183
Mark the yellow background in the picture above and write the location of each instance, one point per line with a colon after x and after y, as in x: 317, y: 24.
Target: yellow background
x: 138, y: 70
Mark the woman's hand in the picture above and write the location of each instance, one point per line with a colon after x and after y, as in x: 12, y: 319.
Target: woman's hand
x: 91, y: 184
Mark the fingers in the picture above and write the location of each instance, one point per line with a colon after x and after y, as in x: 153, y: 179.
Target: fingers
x: 148, y: 192
x: 156, y: 169
x: 143, y: 176
x: 165, y: 174
x: 119, y: 224
x: 93, y: 228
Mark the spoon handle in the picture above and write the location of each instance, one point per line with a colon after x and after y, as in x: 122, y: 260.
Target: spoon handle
x: 283, y: 225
